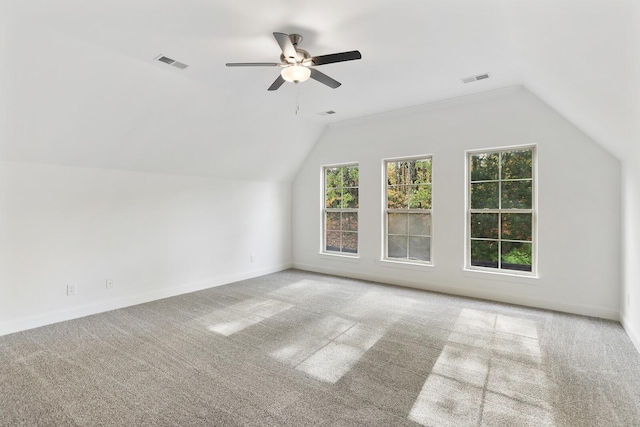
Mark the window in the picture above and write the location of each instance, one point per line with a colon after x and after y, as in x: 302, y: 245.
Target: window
x: 341, y: 209
x: 408, y: 210
x: 501, y: 216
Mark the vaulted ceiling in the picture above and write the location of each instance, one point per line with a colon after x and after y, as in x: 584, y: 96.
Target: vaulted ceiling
x: 81, y: 86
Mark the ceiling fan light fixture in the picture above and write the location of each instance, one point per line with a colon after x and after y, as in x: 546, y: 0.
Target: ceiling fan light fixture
x: 295, y: 73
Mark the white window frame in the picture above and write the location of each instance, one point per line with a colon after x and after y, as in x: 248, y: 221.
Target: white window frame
x: 325, y: 210
x: 533, y: 211
x: 386, y: 211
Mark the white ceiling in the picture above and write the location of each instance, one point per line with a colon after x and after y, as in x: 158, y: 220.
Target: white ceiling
x: 80, y: 85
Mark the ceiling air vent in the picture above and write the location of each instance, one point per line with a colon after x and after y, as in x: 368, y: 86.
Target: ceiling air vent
x: 170, y: 61
x: 475, y: 78
x: 327, y: 113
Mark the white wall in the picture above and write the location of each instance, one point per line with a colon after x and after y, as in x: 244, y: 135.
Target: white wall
x: 154, y: 235
x: 579, y: 201
x: 630, y: 298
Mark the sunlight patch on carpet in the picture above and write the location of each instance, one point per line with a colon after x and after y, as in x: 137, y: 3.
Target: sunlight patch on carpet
x: 488, y: 373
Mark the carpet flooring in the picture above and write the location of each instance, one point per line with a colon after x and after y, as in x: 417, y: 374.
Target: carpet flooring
x: 302, y: 349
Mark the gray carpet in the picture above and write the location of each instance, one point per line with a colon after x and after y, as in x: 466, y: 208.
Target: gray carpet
x: 296, y: 348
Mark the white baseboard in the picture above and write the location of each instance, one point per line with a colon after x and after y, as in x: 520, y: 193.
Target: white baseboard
x: 566, y: 307
x: 31, y: 322
x: 633, y: 334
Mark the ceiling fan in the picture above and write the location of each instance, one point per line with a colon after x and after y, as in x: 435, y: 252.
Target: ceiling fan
x: 296, y: 63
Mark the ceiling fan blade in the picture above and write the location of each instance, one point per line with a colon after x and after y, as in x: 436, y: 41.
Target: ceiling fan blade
x: 336, y: 57
x: 253, y: 64
x: 275, y: 85
x: 288, y: 50
x: 323, y: 78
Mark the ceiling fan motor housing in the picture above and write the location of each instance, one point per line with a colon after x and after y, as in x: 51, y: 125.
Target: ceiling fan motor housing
x: 302, y: 56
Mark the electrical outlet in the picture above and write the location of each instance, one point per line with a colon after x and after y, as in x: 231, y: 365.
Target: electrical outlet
x: 252, y: 258
x: 109, y: 283
x: 72, y: 289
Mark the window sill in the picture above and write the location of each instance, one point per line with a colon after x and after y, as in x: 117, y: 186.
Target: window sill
x: 339, y: 257
x: 405, y: 265
x: 527, y: 279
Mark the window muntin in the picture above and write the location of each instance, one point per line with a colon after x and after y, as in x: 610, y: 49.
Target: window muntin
x: 501, y: 216
x: 341, y: 209
x: 408, y: 207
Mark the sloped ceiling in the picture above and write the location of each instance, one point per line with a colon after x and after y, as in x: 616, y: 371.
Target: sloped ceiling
x: 80, y: 85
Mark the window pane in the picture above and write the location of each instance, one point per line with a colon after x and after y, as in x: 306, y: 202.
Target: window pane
x: 333, y: 221
x: 484, y: 253
x: 397, y: 223
x: 484, y: 167
x: 516, y: 256
x: 350, y: 198
x: 420, y: 248
x: 392, y: 177
x: 349, y: 221
x: 397, y: 197
x: 516, y: 226
x: 484, y: 225
x: 397, y: 173
x: 333, y: 178
x: 350, y: 176
x: 516, y: 195
x: 333, y: 198
x: 484, y: 195
x: 421, y: 171
x: 397, y: 247
x: 333, y: 241
x: 419, y: 224
x: 420, y: 196
x: 517, y: 164
x: 350, y: 242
